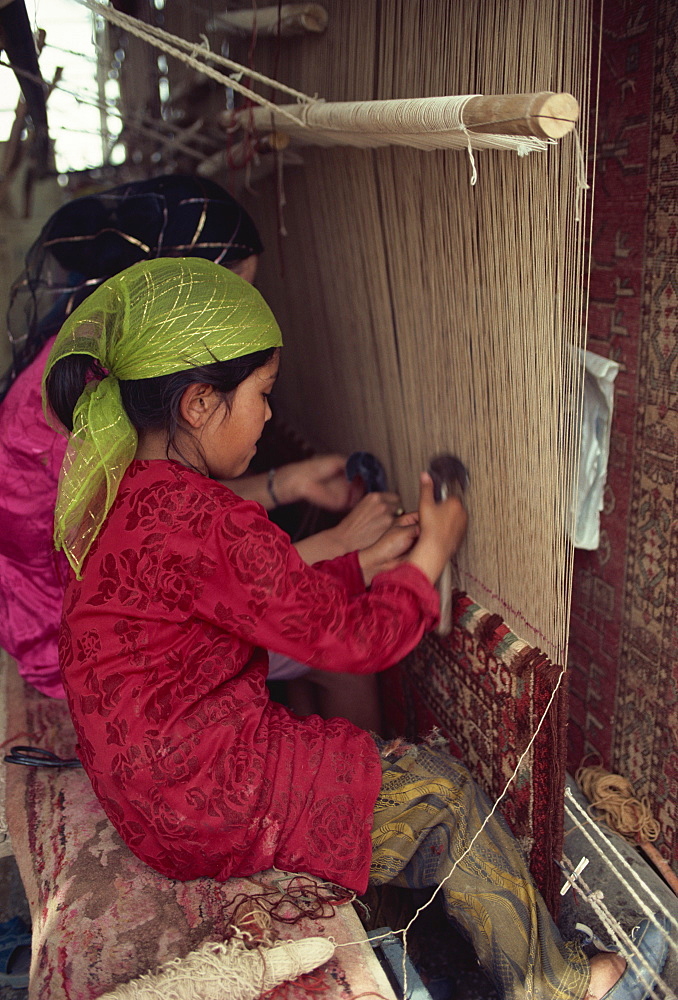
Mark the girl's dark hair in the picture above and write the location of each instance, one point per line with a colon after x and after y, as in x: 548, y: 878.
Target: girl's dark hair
x: 88, y: 240
x: 151, y: 403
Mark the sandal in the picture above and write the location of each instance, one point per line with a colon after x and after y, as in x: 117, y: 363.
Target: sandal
x: 15, y: 953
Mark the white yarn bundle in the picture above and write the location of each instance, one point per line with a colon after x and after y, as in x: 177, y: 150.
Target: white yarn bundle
x: 227, y: 971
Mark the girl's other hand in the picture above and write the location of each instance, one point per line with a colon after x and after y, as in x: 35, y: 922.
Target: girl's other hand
x: 442, y: 529
x: 388, y: 551
x: 320, y: 480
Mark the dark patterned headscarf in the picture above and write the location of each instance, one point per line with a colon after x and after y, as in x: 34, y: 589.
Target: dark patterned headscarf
x: 90, y: 239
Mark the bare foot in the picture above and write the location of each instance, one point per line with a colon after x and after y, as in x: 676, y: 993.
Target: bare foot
x: 606, y: 968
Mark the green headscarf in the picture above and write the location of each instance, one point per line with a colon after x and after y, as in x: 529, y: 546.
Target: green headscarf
x: 157, y: 317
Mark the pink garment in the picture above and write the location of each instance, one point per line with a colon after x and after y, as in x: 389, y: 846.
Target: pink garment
x: 32, y: 574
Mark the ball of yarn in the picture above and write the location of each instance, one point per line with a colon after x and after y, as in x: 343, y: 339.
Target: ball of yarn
x: 613, y: 798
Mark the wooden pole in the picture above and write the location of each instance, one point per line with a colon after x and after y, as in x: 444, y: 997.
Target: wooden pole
x: 544, y: 115
x: 241, y: 152
x: 289, y: 19
x: 660, y: 863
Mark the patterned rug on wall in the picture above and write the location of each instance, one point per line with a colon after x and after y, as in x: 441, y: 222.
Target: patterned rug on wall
x: 624, y: 631
x: 485, y: 690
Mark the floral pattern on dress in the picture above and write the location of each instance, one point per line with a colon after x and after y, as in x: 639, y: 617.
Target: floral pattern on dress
x: 163, y: 657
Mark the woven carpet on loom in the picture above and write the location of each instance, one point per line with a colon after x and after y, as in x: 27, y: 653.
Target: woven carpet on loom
x: 624, y: 626
x: 485, y: 690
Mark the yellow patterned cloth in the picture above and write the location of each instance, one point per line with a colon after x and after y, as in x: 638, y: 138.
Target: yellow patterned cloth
x: 155, y: 318
x: 427, y: 813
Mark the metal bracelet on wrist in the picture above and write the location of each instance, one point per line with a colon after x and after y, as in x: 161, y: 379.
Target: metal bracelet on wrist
x: 269, y: 485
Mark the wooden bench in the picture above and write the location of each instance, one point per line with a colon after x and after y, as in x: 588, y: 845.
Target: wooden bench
x: 100, y: 916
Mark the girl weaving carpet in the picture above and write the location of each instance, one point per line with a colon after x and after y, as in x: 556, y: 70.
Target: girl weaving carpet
x: 178, y: 587
x: 82, y: 244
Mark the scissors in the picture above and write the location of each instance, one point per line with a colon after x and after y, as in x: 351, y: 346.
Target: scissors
x: 37, y: 757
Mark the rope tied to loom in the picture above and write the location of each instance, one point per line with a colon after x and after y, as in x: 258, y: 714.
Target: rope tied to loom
x: 422, y: 123
x: 188, y: 53
x: 622, y: 940
x: 613, y: 798
x: 647, y: 901
x: 456, y: 107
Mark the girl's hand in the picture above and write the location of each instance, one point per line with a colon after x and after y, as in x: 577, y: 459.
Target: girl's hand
x: 389, y: 550
x: 442, y: 529
x: 320, y: 480
x: 367, y: 522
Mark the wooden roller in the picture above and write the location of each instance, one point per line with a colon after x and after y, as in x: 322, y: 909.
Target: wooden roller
x: 290, y: 19
x: 420, y: 120
x: 545, y: 115
x: 237, y: 155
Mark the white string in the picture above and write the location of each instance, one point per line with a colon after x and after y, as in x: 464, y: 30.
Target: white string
x: 457, y: 861
x: 193, y: 48
x: 627, y: 947
x: 421, y: 123
x: 459, y: 109
x: 609, y: 846
x: 158, y: 38
x: 582, y: 182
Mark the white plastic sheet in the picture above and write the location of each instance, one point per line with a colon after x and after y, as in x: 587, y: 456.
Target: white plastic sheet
x: 595, y: 447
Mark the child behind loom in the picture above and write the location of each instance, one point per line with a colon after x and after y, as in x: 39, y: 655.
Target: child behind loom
x: 179, y: 587
x: 83, y: 243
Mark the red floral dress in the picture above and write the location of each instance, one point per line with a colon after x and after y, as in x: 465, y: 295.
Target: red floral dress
x: 162, y: 650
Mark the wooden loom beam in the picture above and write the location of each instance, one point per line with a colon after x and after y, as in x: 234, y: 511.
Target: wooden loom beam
x: 544, y: 115
x: 288, y: 19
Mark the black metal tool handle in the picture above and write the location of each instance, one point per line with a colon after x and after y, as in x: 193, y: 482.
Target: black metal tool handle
x: 366, y: 467
x: 39, y: 757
